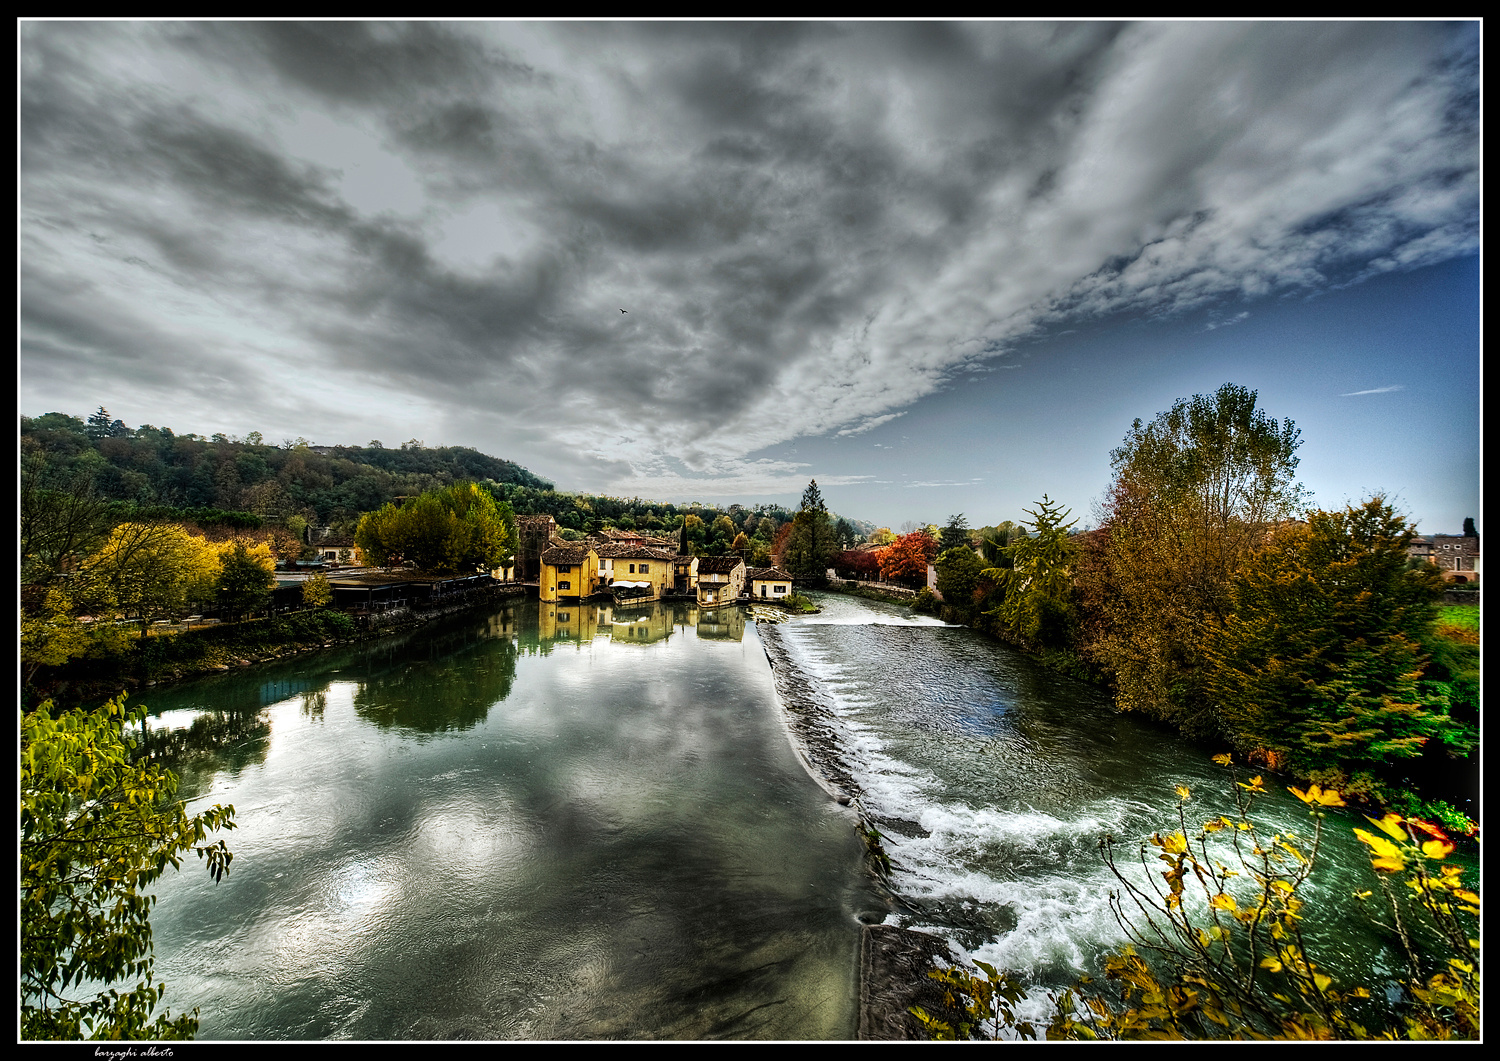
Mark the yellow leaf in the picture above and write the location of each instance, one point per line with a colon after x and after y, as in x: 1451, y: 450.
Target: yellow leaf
x: 1172, y: 843
x: 1182, y: 792
x: 1390, y: 825
x: 1270, y: 963
x: 1223, y: 901
x: 1437, y: 849
x: 1222, y: 760
x: 1379, y: 844
x: 1316, y: 796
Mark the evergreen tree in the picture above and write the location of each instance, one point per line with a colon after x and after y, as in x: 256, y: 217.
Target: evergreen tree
x: 955, y: 534
x: 812, y: 543
x: 1038, y: 604
x: 1320, y: 662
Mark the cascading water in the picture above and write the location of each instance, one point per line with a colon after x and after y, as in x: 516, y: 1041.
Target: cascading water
x: 992, y: 782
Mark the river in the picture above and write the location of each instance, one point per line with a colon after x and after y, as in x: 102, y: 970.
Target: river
x: 589, y: 823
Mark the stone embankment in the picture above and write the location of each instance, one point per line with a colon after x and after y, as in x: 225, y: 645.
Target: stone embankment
x: 894, y: 961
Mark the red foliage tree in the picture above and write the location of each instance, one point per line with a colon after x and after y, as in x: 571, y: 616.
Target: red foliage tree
x: 779, y: 544
x: 858, y: 563
x: 906, y: 559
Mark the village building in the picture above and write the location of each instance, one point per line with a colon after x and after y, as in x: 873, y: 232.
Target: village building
x: 615, y: 536
x: 374, y: 592
x: 533, y: 535
x: 721, y: 579
x: 769, y: 583
x: 1455, y: 555
x: 568, y: 572
x: 637, y: 572
x: 685, y: 576
x: 338, y: 549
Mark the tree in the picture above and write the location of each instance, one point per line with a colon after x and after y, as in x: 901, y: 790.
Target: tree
x: 58, y: 526
x: 962, y: 579
x: 245, y: 581
x: 460, y: 528
x: 1194, y: 493
x: 813, y: 542
x: 858, y: 563
x: 1318, y: 666
x: 52, y: 633
x: 955, y: 534
x: 723, y: 531
x: 98, y: 826
x: 316, y: 592
x: 152, y: 569
x: 906, y: 559
x: 993, y: 543
x: 1038, y: 603
x: 1469, y: 530
x: 811, y: 545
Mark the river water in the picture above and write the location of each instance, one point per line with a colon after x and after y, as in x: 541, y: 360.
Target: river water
x: 559, y: 823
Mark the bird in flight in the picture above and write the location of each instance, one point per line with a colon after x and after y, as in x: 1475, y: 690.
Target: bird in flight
x: 624, y: 311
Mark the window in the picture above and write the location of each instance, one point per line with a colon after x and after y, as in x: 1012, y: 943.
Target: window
x: 632, y: 569
x: 564, y: 568
x: 645, y: 569
x: 565, y: 585
x: 780, y: 589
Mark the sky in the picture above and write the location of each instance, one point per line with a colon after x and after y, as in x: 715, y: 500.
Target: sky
x: 939, y: 267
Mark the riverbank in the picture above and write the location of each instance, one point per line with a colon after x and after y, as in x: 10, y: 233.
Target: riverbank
x: 894, y: 961
x: 167, y: 658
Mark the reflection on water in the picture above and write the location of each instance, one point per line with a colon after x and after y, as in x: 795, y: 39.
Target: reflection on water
x: 546, y: 822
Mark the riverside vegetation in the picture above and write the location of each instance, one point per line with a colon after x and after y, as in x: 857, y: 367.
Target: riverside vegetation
x: 1212, y: 600
x: 1217, y: 949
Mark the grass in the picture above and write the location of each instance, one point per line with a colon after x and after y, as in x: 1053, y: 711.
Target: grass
x: 1465, y: 616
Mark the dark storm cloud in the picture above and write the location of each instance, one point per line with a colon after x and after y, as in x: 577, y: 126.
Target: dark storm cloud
x: 359, y: 63
x: 811, y: 225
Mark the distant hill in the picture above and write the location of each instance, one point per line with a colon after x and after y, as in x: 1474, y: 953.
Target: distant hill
x: 154, y: 466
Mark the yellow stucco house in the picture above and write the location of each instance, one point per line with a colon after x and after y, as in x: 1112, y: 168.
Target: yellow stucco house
x: 641, y: 572
x: 568, y: 572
